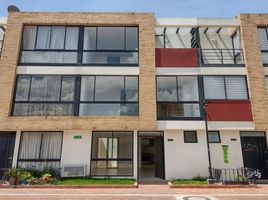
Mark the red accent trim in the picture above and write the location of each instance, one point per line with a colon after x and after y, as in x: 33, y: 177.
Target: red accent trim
x: 167, y: 57
x: 229, y: 110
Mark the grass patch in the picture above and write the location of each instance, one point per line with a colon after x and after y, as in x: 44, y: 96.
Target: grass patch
x: 189, y: 182
x: 87, y: 181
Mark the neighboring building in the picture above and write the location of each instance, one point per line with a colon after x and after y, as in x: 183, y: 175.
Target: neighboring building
x: 123, y: 94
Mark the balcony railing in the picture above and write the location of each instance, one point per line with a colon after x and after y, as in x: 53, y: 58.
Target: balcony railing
x: 215, y: 57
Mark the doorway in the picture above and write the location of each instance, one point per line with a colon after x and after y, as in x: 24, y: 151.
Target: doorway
x: 7, y: 142
x: 151, y: 156
x: 254, y: 150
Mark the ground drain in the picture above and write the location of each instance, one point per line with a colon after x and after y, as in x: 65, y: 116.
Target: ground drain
x: 195, y: 198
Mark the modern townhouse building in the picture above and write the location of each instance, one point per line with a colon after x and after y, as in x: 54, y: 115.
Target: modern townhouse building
x: 129, y: 95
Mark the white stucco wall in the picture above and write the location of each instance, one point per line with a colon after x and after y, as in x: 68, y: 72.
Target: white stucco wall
x: 76, y: 151
x: 234, y: 151
x: 185, y: 160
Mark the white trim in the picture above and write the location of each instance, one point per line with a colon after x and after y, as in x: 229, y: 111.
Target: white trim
x: 77, y: 70
x: 200, y: 125
x: 201, y: 71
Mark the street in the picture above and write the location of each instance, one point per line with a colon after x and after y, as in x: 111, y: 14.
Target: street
x: 144, y: 192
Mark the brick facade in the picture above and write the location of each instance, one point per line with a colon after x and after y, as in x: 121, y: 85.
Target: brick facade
x: 147, y: 92
x: 255, y: 69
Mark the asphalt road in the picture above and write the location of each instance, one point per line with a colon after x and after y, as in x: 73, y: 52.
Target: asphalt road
x: 144, y: 192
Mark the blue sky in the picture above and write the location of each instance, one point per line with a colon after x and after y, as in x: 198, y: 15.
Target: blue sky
x: 162, y: 8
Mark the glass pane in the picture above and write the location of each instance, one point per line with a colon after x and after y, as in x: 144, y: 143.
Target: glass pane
x: 132, y: 38
x: 131, y: 88
x: 125, y: 147
x: 39, y: 165
x: 71, y: 40
x: 45, y: 88
x: 43, y: 37
x: 57, y: 37
x: 23, y: 86
x: 42, y: 109
x: 166, y: 89
x: 110, y: 38
x: 263, y: 39
x: 264, y: 57
x: 113, y: 148
x: 104, y: 168
x: 102, y: 147
x: 236, y: 87
x: 29, y: 34
x: 51, y: 145
x: 48, y: 57
x: 100, y: 144
x: 190, y: 136
x: 87, y: 88
x: 170, y: 110
x: 214, y: 87
x: 67, y: 88
x: 213, y: 136
x: 188, y: 88
x: 112, y: 58
x: 109, y: 88
x: 108, y: 109
x: 90, y: 38
x: 30, y: 145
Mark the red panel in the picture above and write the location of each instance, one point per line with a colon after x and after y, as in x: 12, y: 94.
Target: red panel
x: 167, y: 57
x: 229, y: 111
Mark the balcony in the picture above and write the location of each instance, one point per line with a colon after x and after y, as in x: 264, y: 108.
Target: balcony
x: 183, y: 57
x: 222, y: 57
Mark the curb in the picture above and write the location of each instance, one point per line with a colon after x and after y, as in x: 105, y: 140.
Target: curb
x: 211, y: 186
x: 135, y: 185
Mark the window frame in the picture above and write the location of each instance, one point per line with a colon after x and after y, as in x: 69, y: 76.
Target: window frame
x: 262, y: 50
x: 225, y: 89
x: 41, y: 144
x: 219, y: 136
x: 191, y: 142
x: 42, y: 102
x: 80, y: 48
x: 93, y: 101
x: 181, y: 102
x: 113, y: 159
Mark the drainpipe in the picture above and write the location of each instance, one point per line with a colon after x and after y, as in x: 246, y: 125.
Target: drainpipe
x: 205, y: 104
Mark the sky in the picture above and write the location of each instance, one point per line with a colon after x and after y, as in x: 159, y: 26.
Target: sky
x: 161, y: 8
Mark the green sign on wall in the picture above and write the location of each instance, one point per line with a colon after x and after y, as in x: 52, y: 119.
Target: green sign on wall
x: 225, y: 153
x: 78, y: 137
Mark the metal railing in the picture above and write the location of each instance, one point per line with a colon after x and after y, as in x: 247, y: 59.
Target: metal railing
x: 222, y: 56
x: 234, y: 176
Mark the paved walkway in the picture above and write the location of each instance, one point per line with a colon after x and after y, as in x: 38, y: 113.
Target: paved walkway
x: 144, y: 192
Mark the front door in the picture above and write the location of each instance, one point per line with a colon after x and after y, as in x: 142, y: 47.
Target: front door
x: 151, y: 156
x: 7, y: 142
x: 254, y: 150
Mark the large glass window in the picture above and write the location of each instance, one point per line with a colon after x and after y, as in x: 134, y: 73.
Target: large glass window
x: 110, y: 45
x: 40, y: 95
x: 49, y: 44
x: 112, y: 154
x: 40, y: 149
x: 225, y: 87
x: 177, y: 97
x: 263, y: 39
x: 109, y: 96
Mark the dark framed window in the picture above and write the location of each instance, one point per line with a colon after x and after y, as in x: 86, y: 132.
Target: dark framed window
x: 266, y: 82
x: 44, y: 95
x: 69, y: 45
x: 49, y: 44
x: 112, y: 153
x: 225, y: 87
x: 40, y: 149
x: 190, y: 136
x: 263, y: 39
x: 214, y: 137
x: 109, y: 96
x: 177, y: 97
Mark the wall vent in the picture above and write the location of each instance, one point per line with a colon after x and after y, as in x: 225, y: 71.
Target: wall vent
x: 74, y: 171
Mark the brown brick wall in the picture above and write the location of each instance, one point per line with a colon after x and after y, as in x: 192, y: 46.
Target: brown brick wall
x: 254, y: 64
x: 147, y: 100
